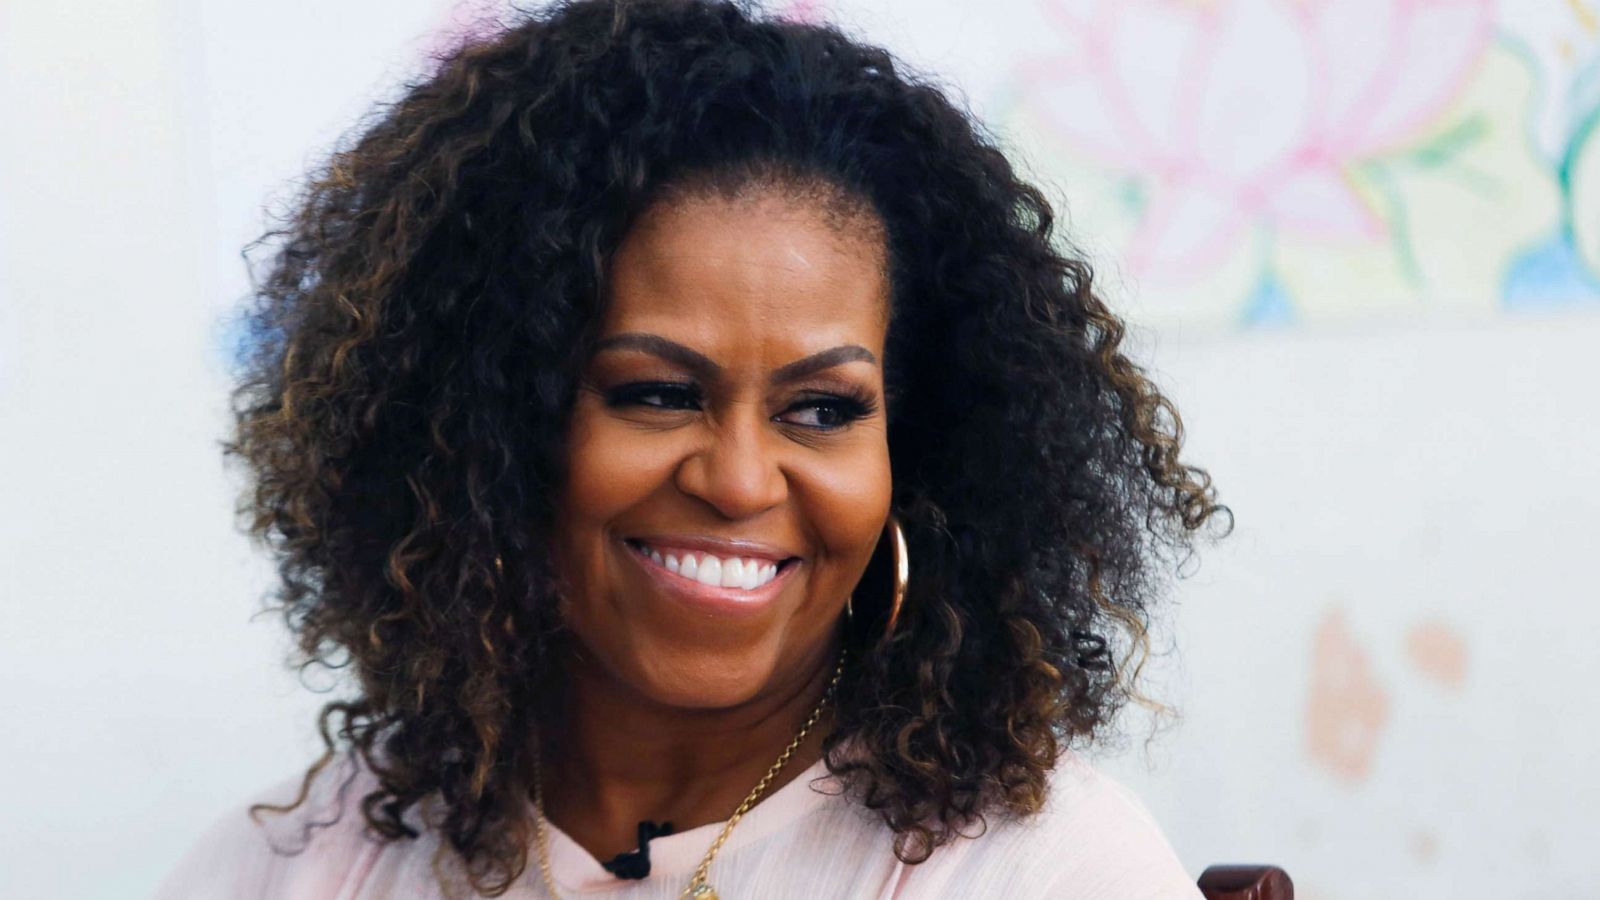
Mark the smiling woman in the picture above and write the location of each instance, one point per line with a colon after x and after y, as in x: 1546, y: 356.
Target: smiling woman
x: 685, y: 429
x: 732, y: 412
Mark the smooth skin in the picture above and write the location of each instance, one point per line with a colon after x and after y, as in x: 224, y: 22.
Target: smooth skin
x: 736, y: 395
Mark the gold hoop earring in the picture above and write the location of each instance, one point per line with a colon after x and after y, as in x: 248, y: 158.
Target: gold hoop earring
x: 902, y: 574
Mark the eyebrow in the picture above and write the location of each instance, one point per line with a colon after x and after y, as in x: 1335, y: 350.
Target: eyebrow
x: 671, y: 351
x: 824, y: 359
x: 705, y: 367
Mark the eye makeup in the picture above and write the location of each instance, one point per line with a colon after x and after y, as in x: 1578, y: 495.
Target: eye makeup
x: 822, y: 410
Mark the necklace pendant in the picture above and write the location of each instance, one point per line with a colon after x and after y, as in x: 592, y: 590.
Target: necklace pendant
x: 703, y: 891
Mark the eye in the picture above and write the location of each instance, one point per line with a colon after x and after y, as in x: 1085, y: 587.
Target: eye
x: 826, y: 412
x: 658, y: 394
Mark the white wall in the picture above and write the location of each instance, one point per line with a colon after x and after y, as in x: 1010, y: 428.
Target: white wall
x: 1414, y: 494
x: 140, y: 140
x: 1396, y: 479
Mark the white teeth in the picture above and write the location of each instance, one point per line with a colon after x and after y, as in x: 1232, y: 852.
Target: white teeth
x: 732, y: 573
x: 735, y: 572
x: 710, y: 572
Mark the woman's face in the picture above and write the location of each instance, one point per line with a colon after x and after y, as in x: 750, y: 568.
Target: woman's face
x: 728, y: 465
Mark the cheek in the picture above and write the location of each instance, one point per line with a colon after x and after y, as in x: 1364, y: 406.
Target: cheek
x: 608, y: 471
x: 847, y: 503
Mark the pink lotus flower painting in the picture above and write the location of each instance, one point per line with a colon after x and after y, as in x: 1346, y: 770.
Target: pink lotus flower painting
x: 1326, y: 146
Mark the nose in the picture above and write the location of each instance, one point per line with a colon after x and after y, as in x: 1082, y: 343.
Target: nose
x: 736, y: 471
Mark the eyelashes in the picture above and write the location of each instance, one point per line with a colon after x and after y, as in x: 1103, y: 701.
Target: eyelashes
x: 658, y: 394
x: 814, y: 410
x: 827, y: 412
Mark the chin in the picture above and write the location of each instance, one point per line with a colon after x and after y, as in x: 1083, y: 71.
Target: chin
x: 705, y: 677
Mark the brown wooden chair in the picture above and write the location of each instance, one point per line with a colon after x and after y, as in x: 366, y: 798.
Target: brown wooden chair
x: 1240, y: 882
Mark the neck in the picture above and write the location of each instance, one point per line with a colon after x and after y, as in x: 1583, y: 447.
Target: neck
x: 617, y: 758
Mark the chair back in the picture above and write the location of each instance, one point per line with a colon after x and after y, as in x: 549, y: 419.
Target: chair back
x: 1246, y: 882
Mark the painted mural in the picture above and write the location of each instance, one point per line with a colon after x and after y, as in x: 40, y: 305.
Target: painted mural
x: 1270, y: 162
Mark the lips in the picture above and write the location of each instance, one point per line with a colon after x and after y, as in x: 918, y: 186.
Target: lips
x: 741, y: 580
x: 748, y: 571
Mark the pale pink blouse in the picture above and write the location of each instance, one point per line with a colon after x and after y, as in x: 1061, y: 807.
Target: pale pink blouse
x: 1093, y: 841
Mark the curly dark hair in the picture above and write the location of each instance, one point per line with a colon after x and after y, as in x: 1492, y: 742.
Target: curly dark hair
x: 418, y: 336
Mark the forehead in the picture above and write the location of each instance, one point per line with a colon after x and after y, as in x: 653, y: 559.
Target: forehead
x: 773, y: 267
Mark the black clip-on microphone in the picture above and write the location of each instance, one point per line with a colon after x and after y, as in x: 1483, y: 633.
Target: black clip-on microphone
x: 636, y: 863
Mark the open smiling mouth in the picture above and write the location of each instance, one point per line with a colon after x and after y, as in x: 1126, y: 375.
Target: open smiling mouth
x: 737, y: 572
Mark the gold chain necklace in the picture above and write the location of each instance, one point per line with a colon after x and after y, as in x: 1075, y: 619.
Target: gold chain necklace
x: 698, y: 888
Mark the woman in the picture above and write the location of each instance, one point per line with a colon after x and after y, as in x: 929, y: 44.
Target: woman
x: 684, y: 429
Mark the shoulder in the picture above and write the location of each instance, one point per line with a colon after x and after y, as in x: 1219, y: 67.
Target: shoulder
x: 310, y: 851
x: 1104, y: 841
x: 1093, y: 840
